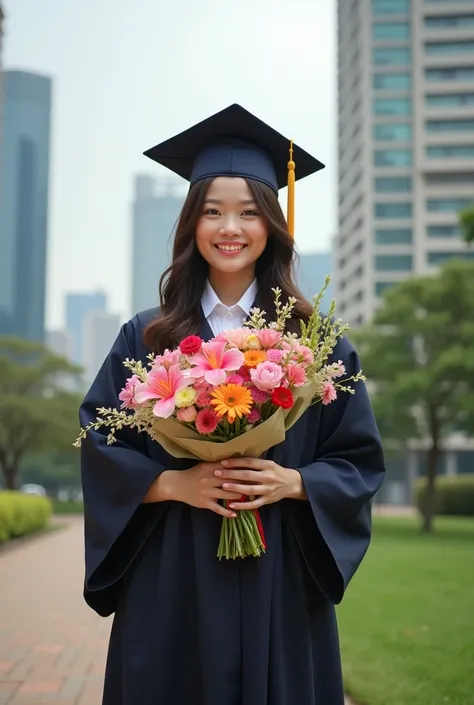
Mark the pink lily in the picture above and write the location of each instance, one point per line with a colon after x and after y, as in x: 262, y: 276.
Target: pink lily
x: 214, y: 361
x: 162, y: 384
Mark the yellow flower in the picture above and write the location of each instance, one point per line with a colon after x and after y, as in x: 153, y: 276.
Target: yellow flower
x: 233, y: 400
x: 254, y: 357
x: 253, y: 342
x: 185, y: 397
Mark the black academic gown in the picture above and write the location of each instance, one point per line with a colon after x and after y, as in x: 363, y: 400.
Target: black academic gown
x: 191, y: 630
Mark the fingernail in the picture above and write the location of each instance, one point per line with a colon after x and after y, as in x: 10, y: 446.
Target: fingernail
x: 218, y: 472
x: 234, y: 516
x: 232, y: 506
x: 226, y: 486
x: 225, y: 462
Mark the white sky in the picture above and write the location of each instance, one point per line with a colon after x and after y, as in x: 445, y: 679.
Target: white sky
x: 129, y: 74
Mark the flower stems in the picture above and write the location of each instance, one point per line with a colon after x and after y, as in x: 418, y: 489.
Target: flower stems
x: 241, y: 537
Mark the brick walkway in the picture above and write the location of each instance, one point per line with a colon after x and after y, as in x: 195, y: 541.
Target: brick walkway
x: 52, y: 647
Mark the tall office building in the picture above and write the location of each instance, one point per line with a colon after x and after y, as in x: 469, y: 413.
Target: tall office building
x: 406, y: 142
x: 78, y: 306
x: 24, y: 178
x: 99, y: 332
x: 156, y: 207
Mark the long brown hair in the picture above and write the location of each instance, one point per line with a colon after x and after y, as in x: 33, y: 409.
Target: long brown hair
x: 182, y: 284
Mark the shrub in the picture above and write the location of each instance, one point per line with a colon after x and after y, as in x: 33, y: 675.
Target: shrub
x: 22, y: 514
x: 69, y: 507
x: 454, y: 495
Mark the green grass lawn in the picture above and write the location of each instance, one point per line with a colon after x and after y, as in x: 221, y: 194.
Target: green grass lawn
x: 407, y: 621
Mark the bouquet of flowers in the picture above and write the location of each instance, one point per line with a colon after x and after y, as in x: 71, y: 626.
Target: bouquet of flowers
x: 235, y: 395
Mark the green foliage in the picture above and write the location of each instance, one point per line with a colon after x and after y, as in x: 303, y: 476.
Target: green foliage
x: 67, y: 507
x: 454, y: 495
x: 466, y: 220
x: 22, y: 514
x: 417, y: 355
x: 54, y: 470
x: 37, y: 412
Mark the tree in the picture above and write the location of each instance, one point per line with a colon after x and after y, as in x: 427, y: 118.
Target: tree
x: 37, y: 412
x: 466, y: 220
x: 417, y: 354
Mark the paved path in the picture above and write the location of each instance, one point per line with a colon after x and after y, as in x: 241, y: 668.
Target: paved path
x: 52, y: 646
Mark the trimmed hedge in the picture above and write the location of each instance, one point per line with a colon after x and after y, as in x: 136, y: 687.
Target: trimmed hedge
x: 22, y: 514
x: 454, y: 495
x: 69, y: 507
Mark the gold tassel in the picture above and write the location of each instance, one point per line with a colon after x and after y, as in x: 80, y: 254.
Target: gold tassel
x: 291, y: 194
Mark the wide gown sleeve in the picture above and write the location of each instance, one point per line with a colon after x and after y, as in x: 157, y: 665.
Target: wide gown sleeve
x: 333, y: 528
x: 115, y: 479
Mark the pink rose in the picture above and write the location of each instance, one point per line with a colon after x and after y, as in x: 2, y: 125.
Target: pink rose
x: 275, y: 355
x: 169, y: 357
x: 266, y: 376
x: 187, y: 415
x: 268, y: 338
x: 254, y: 415
x: 236, y: 337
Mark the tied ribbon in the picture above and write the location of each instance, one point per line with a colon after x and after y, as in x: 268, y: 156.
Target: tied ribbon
x: 258, y: 519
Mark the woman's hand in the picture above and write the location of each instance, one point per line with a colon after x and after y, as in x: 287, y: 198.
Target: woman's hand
x: 198, y: 487
x: 265, y: 479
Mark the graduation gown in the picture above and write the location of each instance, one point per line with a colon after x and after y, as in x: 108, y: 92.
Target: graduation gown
x: 189, y: 629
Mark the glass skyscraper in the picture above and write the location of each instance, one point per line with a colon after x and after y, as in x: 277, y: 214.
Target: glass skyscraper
x: 24, y: 179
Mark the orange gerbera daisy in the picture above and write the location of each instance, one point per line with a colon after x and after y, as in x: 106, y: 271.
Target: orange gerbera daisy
x: 254, y: 357
x: 233, y: 400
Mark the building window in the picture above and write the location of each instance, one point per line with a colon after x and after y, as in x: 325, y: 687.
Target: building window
x: 395, y: 56
x: 393, y: 263
x: 393, y: 157
x: 454, y: 151
x: 390, y: 7
x: 390, y: 30
x: 393, y: 236
x: 393, y: 210
x: 449, y: 100
x: 380, y: 287
x: 450, y: 125
x: 454, y: 73
x: 393, y: 132
x: 463, y: 178
x: 391, y: 81
x: 452, y: 231
x: 447, y: 205
x: 437, y: 258
x: 392, y: 106
x: 449, y: 47
x: 393, y: 184
x: 449, y: 21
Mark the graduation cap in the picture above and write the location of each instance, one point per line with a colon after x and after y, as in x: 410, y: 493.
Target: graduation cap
x: 233, y: 142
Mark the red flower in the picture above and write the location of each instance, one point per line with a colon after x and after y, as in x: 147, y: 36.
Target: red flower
x: 244, y: 372
x: 282, y: 397
x: 190, y: 345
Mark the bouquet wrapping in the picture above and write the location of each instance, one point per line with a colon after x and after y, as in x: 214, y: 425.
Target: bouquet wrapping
x: 235, y: 395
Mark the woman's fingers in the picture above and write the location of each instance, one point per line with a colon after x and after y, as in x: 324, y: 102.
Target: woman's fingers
x: 245, y: 489
x: 220, y: 509
x: 254, y: 504
x: 217, y: 493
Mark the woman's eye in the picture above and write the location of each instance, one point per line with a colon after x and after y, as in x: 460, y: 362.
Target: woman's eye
x: 250, y: 212
x: 211, y: 211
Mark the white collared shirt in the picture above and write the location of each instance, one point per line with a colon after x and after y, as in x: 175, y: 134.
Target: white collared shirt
x: 221, y: 317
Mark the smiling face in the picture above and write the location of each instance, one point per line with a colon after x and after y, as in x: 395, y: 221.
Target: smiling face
x: 231, y: 234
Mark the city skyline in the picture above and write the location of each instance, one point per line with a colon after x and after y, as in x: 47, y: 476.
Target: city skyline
x: 108, y: 109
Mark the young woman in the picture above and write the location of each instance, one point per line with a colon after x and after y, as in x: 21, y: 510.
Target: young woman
x: 190, y: 629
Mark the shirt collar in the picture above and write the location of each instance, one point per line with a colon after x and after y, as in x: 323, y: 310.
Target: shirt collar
x: 210, y: 299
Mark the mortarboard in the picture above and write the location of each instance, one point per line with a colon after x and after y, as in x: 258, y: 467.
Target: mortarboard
x: 233, y: 142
